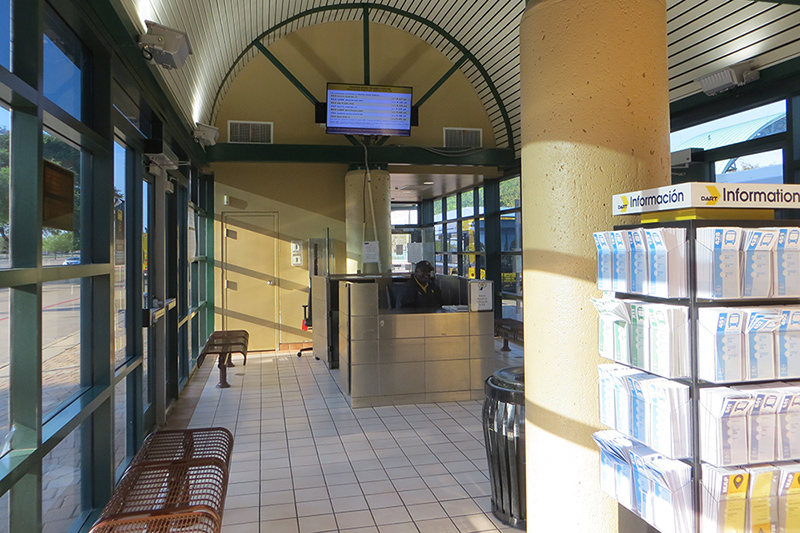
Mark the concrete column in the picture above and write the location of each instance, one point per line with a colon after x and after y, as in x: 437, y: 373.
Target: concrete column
x: 375, y: 210
x: 595, y: 122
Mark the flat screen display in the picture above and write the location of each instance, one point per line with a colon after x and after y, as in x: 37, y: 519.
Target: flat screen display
x: 368, y: 110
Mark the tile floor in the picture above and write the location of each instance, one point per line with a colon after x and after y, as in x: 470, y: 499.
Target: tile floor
x: 305, y: 462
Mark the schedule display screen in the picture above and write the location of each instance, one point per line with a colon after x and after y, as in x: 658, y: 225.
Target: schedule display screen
x: 368, y: 110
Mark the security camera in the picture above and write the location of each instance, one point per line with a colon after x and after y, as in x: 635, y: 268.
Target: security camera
x: 206, y: 135
x: 166, y: 46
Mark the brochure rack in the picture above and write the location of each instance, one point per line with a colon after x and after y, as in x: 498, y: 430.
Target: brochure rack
x: 694, y: 304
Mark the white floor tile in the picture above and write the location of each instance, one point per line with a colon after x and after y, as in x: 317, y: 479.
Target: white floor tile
x: 305, y: 462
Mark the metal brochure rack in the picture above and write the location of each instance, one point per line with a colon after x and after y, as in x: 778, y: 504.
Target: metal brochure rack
x: 694, y: 304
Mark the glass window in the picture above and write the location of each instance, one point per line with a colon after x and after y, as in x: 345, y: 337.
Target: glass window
x: 510, y: 193
x: 759, y: 122
x: 468, y: 204
x: 5, y: 143
x: 439, y: 264
x: 511, y: 232
x: 120, y: 303
x: 146, y: 200
x: 61, y: 484
x: 439, y: 238
x: 405, y: 214
x: 766, y: 167
x: 400, y: 262
x: 480, y: 201
x: 452, y: 265
x: 468, y: 235
x: 61, y: 342
x: 452, y: 237
x: 5, y: 332
x: 480, y: 232
x: 120, y: 422
x: 511, y: 273
x: 437, y: 210
x: 512, y: 308
x: 61, y: 220
x: 5, y: 38
x: 474, y: 266
x: 64, y: 59
x: 452, y: 207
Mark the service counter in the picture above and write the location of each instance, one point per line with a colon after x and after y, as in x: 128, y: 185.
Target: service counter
x: 399, y: 356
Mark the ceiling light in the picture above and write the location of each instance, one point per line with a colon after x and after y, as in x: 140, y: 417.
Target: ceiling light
x: 727, y: 78
x: 428, y: 182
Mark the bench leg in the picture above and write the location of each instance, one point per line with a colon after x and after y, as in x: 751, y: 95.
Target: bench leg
x: 223, y: 371
x: 505, y: 347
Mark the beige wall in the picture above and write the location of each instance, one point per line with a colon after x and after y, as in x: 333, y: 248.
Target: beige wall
x: 309, y: 198
x: 308, y: 201
x: 333, y: 52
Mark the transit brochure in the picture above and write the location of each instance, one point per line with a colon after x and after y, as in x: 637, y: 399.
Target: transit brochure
x: 667, y: 262
x: 655, y: 488
x: 605, y: 261
x: 748, y: 343
x: 654, y: 411
x: 718, y: 258
x: 649, y: 336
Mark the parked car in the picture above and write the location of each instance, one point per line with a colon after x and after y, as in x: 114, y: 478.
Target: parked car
x: 72, y: 261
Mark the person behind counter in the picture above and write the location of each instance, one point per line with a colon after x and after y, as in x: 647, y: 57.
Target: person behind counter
x: 421, y: 291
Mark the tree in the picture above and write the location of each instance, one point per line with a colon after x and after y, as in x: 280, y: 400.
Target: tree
x: 58, y: 242
x: 509, y: 193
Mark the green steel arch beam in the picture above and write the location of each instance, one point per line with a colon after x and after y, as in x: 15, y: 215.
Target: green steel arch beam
x: 403, y: 13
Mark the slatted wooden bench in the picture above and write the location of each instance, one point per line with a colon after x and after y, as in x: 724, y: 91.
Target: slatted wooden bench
x: 177, y: 482
x: 510, y: 330
x: 224, y: 344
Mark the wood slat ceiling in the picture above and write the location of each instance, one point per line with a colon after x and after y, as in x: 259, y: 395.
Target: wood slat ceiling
x: 703, y: 36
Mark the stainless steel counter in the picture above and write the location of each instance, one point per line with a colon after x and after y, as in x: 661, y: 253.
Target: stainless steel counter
x: 388, y: 357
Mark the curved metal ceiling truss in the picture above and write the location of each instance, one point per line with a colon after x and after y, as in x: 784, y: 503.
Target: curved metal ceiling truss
x: 506, y: 125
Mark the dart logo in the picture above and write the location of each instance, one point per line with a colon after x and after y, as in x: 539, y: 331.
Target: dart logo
x: 712, y: 197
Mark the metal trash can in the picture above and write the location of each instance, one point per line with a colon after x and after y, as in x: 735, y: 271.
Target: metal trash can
x: 504, y: 433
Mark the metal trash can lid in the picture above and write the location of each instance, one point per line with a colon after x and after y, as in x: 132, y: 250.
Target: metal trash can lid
x: 512, y: 378
x: 507, y: 385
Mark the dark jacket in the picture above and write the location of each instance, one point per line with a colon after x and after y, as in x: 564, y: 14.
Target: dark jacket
x: 411, y: 294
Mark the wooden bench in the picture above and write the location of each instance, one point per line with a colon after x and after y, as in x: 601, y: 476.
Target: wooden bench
x: 224, y: 344
x: 510, y: 330
x: 176, y: 482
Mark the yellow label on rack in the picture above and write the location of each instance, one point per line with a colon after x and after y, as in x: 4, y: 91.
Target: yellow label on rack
x: 761, y: 503
x: 734, y: 516
x: 762, y: 485
x: 791, y: 514
x: 698, y: 213
x: 760, y: 515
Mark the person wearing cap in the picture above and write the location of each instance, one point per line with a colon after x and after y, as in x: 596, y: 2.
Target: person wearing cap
x: 421, y: 291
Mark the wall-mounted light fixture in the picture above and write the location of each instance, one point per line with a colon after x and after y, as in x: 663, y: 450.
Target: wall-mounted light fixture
x: 205, y: 135
x: 727, y: 78
x: 166, y: 46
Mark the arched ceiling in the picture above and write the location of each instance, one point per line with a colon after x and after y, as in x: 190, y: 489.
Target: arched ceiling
x: 703, y: 36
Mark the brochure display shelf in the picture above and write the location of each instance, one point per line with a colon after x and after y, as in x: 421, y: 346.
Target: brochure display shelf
x: 694, y: 304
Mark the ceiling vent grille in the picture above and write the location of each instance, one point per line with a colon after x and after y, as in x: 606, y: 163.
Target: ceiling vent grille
x: 249, y: 132
x: 463, y: 137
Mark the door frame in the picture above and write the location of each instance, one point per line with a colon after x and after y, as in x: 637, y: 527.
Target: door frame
x: 226, y: 215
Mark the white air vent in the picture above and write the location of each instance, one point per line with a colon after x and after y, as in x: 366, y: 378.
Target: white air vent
x: 249, y: 132
x: 463, y: 137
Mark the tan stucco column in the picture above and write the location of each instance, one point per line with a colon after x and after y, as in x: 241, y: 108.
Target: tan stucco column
x: 375, y: 209
x: 595, y: 122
